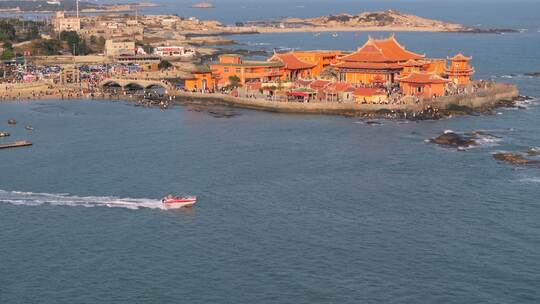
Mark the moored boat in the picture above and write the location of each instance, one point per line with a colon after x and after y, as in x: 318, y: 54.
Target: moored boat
x: 176, y: 202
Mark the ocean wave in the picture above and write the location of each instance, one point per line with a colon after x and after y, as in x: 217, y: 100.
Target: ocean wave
x: 485, y: 139
x: 527, y: 103
x: 488, y: 141
x: 64, y: 199
x: 530, y: 180
x: 258, y: 43
x: 512, y: 76
x: 369, y: 122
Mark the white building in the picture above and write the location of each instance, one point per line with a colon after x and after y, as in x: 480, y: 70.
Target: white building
x: 174, y: 51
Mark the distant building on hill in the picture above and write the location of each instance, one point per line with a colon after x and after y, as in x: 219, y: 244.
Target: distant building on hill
x: 117, y: 48
x: 62, y: 23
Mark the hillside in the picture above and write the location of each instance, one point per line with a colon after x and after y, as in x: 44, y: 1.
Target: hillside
x: 389, y: 20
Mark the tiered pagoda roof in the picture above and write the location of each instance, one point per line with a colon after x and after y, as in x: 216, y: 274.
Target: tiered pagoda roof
x: 463, y: 68
x: 459, y: 57
x: 382, y: 50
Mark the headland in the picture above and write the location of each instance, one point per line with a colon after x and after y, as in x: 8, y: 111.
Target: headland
x: 389, y: 21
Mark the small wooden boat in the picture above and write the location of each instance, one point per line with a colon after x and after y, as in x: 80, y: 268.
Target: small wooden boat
x: 12, y: 122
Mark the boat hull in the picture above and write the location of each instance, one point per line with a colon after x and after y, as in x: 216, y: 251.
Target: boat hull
x: 179, y: 203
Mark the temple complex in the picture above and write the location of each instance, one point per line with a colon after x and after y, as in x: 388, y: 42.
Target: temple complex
x: 378, y: 70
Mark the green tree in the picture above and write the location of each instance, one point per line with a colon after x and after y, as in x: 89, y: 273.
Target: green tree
x: 164, y: 64
x: 48, y: 47
x: 100, y: 43
x: 8, y: 54
x: 7, y: 31
x: 75, y: 43
x: 33, y: 32
x: 234, y: 81
x: 148, y: 48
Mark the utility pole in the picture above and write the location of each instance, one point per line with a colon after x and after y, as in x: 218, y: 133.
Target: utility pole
x: 77, y: 9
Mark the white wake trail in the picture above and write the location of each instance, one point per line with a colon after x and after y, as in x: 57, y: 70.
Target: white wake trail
x: 62, y: 199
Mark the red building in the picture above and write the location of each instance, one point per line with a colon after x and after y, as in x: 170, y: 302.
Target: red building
x: 423, y: 84
x: 294, y: 67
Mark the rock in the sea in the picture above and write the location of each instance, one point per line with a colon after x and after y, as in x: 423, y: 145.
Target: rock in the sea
x: 505, y: 103
x: 373, y: 123
x: 451, y: 139
x: 514, y: 158
x: 454, y: 109
x: 533, y: 152
x: 535, y: 74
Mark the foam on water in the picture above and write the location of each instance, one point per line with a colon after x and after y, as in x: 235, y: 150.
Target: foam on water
x: 488, y: 140
x: 64, y: 199
x: 530, y: 180
x: 527, y: 103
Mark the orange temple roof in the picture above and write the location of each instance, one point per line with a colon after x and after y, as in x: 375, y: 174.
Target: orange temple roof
x: 423, y: 78
x: 459, y: 57
x: 292, y: 62
x: 382, y: 50
x: 368, y: 92
x: 319, y: 84
x: 368, y: 65
x: 339, y: 87
x: 413, y: 63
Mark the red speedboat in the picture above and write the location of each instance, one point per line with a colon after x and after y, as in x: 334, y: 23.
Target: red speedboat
x: 175, y: 202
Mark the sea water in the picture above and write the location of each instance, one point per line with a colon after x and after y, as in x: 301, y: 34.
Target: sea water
x: 292, y: 208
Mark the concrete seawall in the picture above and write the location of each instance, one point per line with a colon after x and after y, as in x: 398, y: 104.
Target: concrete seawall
x: 483, y: 99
